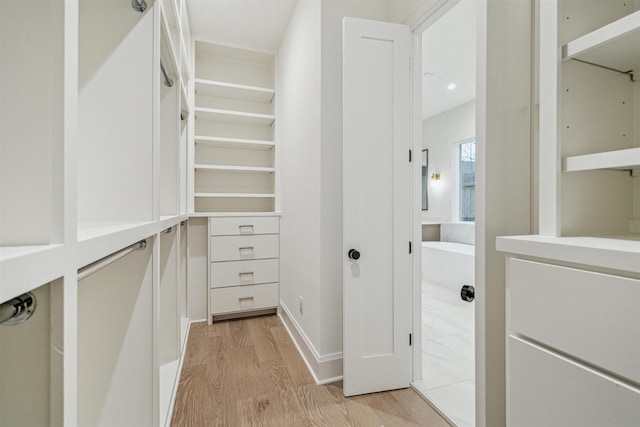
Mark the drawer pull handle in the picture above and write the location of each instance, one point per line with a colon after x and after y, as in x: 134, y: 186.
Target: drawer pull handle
x: 245, y: 301
x: 246, y: 276
x: 246, y: 249
x: 246, y: 228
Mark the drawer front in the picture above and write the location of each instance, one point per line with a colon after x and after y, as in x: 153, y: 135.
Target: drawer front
x: 589, y: 315
x: 545, y: 389
x: 237, y: 248
x: 238, y: 273
x: 243, y: 226
x: 243, y: 298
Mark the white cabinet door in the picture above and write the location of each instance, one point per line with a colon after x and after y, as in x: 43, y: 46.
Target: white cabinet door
x: 376, y: 207
x: 546, y: 389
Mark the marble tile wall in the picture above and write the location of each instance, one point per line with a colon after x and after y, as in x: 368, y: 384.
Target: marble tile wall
x: 458, y: 232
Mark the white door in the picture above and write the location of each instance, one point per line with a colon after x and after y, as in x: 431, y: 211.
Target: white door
x: 377, y: 207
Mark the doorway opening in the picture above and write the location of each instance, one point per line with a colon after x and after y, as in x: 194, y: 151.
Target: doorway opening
x: 448, y: 49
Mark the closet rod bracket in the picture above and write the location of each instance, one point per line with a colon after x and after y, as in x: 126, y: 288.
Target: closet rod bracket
x: 139, y: 5
x: 18, y: 310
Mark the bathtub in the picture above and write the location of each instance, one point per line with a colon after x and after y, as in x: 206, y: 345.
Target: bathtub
x: 448, y: 264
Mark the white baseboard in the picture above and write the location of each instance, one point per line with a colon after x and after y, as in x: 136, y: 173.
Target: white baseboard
x: 326, y: 368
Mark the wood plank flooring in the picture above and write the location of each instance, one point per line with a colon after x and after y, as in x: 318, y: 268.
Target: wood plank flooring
x: 248, y: 373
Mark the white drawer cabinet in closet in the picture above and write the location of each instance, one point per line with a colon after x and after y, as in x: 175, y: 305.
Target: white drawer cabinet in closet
x: 573, y: 346
x: 243, y: 266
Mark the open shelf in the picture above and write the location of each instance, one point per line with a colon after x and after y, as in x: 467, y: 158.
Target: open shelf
x: 221, y: 142
x: 234, y: 168
x: 619, y: 159
x: 229, y: 116
x: 613, y: 46
x: 232, y: 90
x: 17, y: 272
x: 236, y: 195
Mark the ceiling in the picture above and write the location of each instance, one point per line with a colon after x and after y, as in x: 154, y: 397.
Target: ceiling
x: 252, y: 24
x: 449, y: 57
x: 448, y: 44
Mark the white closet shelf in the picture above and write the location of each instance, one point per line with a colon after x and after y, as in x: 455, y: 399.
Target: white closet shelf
x: 234, y: 91
x: 615, y: 45
x: 234, y: 214
x: 227, y: 168
x: 221, y: 142
x: 235, y: 195
x: 98, y: 239
x: 23, y: 268
x: 619, y: 159
x: 230, y: 116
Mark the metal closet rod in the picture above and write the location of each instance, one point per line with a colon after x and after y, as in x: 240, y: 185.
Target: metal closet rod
x: 88, y: 270
x: 167, y: 80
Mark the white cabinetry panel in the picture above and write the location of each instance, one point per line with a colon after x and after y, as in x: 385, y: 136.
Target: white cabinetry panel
x: 589, y: 315
x: 231, y: 248
x: 243, y: 225
x: 244, y: 298
x: 240, y: 273
x: 545, y: 389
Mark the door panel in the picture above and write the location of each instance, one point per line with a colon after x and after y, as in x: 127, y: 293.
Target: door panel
x: 377, y: 206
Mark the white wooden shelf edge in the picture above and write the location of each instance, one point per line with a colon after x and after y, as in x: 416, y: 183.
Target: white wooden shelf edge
x: 619, y: 159
x: 236, y: 195
x: 24, y: 268
x: 240, y: 141
x: 237, y: 114
x: 618, y: 43
x: 615, y: 252
x: 234, y: 168
x: 233, y: 214
x: 184, y: 107
x: 211, y: 86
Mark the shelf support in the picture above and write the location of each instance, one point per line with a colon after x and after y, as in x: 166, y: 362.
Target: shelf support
x: 139, y: 5
x: 17, y: 310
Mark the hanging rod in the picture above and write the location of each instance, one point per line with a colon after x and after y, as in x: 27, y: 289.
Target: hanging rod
x: 183, y: 223
x: 167, y: 231
x: 88, y: 270
x: 139, y: 5
x: 167, y: 80
x: 17, y: 310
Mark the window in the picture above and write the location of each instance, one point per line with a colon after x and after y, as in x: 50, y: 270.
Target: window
x: 466, y: 177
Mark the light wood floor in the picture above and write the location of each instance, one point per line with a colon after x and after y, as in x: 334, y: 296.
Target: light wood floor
x: 249, y: 373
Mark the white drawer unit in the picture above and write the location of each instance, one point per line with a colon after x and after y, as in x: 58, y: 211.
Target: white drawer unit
x: 240, y: 273
x: 548, y: 389
x: 244, y: 266
x: 236, y: 248
x: 232, y: 226
x: 589, y: 315
x: 243, y: 299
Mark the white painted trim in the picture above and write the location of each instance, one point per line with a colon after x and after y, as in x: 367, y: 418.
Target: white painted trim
x: 324, y: 369
x: 174, y: 392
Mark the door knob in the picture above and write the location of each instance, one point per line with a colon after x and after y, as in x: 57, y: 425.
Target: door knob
x: 354, y: 254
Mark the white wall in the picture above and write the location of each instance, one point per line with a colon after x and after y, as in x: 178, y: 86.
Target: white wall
x: 298, y: 151
x: 439, y: 134
x: 309, y: 117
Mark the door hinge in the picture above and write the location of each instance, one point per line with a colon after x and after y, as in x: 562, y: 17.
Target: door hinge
x: 409, y: 247
x: 409, y: 156
x: 410, y: 340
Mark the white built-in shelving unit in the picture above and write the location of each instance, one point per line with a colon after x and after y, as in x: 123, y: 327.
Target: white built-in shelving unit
x: 94, y: 160
x: 582, y: 268
x: 234, y: 160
